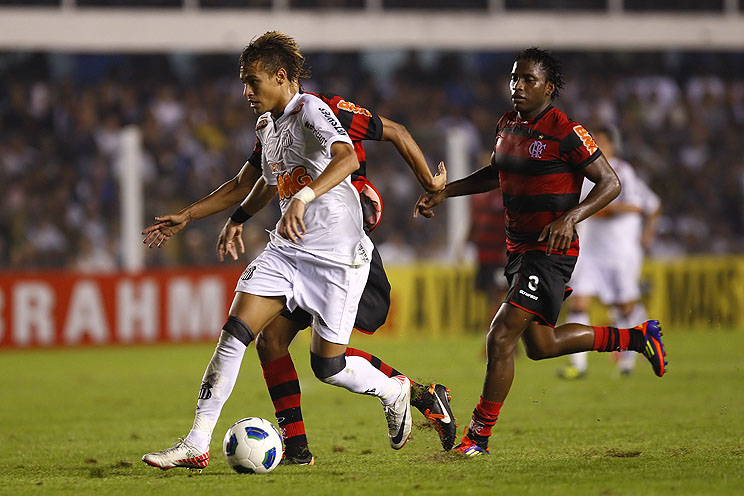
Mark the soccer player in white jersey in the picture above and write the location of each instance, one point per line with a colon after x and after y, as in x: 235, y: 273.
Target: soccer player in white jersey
x: 317, y: 257
x: 612, y: 247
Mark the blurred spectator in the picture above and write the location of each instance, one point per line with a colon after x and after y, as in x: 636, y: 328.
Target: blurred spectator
x: 682, y: 115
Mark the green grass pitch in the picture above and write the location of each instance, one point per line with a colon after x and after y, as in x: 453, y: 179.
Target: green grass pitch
x: 77, y: 422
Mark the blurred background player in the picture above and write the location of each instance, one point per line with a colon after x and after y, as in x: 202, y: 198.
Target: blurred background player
x: 612, y: 247
x: 279, y: 371
x: 489, y: 239
x: 539, y: 160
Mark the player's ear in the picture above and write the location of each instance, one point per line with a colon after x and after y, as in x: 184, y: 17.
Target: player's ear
x: 549, y: 88
x: 281, y: 75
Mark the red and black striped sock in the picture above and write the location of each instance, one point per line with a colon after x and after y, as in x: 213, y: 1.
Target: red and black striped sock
x: 485, y: 415
x: 284, y: 389
x: 607, y: 338
x: 376, y: 362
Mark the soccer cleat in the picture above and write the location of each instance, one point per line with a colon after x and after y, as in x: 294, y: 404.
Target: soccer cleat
x: 298, y: 455
x: 470, y: 448
x: 398, y: 415
x: 439, y: 412
x: 182, y: 454
x: 571, y: 372
x: 654, y: 350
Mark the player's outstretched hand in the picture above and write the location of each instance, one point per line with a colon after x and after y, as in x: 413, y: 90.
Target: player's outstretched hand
x: 164, y: 228
x: 291, y: 225
x: 427, y: 202
x: 230, y: 241
x: 439, y: 181
x: 559, y: 234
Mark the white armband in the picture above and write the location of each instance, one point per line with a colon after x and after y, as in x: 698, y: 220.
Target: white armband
x: 305, y: 195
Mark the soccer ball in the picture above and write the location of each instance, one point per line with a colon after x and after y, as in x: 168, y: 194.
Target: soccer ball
x: 253, y: 446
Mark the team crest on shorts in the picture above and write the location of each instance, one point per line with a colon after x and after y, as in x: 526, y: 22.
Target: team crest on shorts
x: 537, y: 148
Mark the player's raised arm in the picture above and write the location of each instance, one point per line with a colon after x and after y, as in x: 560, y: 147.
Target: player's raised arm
x: 343, y: 162
x: 228, y: 194
x: 484, y: 179
x: 407, y: 147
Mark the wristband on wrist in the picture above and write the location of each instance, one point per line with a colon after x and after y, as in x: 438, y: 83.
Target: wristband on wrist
x: 239, y: 216
x: 305, y: 195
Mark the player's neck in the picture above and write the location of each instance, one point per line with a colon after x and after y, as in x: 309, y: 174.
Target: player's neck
x: 283, y: 101
x: 533, y: 113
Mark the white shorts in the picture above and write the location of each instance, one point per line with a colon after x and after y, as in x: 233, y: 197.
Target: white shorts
x: 329, y: 291
x: 612, y: 281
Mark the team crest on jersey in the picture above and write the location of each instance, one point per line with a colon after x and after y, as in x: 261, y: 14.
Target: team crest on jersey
x: 536, y: 149
x: 262, y: 123
x: 275, y: 167
x: 297, y: 109
x: 286, y: 139
x: 586, y: 138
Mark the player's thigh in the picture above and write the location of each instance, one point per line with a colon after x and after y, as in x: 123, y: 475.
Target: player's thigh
x: 256, y: 311
x: 331, y: 293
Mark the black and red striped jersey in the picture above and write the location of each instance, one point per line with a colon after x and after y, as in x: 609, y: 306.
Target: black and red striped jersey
x: 540, y: 163
x: 361, y: 124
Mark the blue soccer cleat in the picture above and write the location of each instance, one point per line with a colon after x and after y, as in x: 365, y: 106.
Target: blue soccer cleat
x: 654, y: 350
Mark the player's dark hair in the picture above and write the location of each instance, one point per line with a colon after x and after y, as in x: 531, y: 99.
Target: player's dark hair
x: 276, y: 50
x: 551, y: 65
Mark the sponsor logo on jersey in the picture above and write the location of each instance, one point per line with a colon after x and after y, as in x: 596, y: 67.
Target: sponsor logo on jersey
x: 332, y: 120
x: 351, y: 107
x: 537, y: 148
x: 586, y: 138
x: 297, y: 109
x: 290, y: 182
x: 321, y: 139
x: 262, y: 123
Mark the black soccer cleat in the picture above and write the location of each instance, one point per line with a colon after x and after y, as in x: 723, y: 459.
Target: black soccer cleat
x: 434, y: 404
x: 297, y: 454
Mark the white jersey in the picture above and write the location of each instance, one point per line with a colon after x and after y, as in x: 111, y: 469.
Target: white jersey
x: 618, y: 236
x: 611, y: 255
x: 296, y: 149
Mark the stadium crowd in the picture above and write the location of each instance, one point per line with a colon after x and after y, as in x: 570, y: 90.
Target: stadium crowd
x: 681, y: 114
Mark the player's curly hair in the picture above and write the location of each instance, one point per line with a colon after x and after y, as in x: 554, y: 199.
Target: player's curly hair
x: 276, y: 50
x: 551, y: 64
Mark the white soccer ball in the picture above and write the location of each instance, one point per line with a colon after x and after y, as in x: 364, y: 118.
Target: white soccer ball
x: 253, y: 446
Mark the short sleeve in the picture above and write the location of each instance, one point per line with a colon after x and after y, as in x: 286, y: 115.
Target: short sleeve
x: 322, y: 125
x: 578, y: 148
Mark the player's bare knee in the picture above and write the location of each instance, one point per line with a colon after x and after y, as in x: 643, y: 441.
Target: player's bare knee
x: 324, y: 368
x: 500, y: 342
x: 540, y: 350
x: 267, y: 346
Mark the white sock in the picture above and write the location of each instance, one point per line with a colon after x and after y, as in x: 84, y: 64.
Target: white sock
x: 217, y: 385
x: 359, y: 376
x: 579, y: 360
